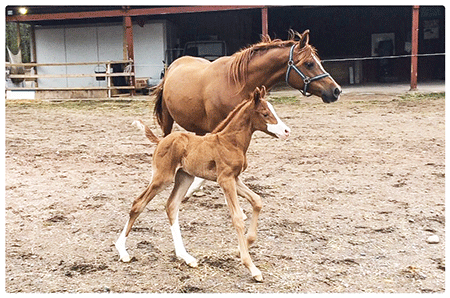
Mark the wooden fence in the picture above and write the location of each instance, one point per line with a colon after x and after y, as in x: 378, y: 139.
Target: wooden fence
x: 107, y: 75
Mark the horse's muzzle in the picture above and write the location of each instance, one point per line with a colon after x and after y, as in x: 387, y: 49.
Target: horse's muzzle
x: 331, y: 96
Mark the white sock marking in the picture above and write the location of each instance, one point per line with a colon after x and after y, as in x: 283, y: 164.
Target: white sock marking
x: 120, y: 245
x: 180, y: 250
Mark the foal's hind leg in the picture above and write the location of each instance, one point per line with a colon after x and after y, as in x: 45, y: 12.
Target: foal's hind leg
x: 182, y: 183
x: 139, y: 204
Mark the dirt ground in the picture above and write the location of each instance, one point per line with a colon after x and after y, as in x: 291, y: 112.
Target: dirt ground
x: 350, y: 200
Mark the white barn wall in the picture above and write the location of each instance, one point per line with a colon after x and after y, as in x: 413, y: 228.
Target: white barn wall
x: 81, y: 46
x: 110, y: 42
x: 97, y: 43
x: 149, y: 48
x: 50, y: 49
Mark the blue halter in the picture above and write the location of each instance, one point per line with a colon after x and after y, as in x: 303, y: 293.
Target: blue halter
x: 306, y: 80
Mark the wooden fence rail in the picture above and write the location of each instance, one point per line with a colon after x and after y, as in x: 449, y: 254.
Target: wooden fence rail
x: 107, y: 75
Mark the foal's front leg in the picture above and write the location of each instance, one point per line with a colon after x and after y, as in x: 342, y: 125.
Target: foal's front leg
x: 255, y: 201
x: 228, y: 185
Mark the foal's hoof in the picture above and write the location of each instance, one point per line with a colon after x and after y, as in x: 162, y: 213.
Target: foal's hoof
x: 189, y: 260
x: 125, y: 259
x: 256, y: 274
x: 193, y: 264
x: 258, y: 278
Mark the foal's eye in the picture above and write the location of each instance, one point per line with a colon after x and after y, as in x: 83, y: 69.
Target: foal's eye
x: 309, y: 65
x: 265, y: 115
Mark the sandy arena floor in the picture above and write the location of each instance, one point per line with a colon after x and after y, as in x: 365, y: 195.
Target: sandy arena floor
x: 350, y: 200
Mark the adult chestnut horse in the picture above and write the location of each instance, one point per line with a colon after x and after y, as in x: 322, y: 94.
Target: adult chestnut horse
x: 199, y: 94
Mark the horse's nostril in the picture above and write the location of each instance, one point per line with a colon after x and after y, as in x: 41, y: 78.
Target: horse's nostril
x: 336, y: 92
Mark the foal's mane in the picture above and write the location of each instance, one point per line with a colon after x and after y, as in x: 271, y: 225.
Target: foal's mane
x: 238, y: 68
x: 230, y: 116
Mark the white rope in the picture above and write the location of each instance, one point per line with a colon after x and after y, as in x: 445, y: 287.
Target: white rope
x: 382, y: 57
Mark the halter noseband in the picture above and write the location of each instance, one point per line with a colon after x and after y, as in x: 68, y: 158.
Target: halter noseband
x: 306, y: 80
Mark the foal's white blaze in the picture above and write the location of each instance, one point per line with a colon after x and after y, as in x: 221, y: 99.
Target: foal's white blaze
x: 180, y: 251
x: 280, y: 129
x: 120, y: 245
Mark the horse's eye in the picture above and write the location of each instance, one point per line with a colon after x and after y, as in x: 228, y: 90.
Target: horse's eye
x: 309, y: 65
x: 265, y: 115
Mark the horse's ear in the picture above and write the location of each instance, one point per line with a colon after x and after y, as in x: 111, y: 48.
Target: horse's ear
x: 305, y: 39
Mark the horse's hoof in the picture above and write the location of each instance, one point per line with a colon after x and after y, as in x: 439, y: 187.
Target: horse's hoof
x: 258, y: 278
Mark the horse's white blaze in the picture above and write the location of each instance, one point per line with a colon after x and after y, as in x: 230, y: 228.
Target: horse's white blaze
x: 280, y: 129
x: 180, y: 250
x: 323, y: 69
x: 318, y: 63
x: 120, y: 245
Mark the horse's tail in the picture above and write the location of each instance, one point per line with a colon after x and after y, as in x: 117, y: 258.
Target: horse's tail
x: 158, y: 93
x: 148, y: 133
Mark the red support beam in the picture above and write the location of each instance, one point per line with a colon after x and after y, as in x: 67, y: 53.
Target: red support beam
x: 414, y: 46
x: 265, y: 21
x: 129, y: 37
x: 130, y: 47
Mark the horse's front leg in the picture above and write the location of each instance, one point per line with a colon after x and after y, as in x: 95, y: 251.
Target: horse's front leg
x: 256, y: 202
x: 228, y: 185
x: 195, y: 186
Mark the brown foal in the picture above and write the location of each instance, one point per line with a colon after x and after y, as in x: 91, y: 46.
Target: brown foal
x: 219, y: 156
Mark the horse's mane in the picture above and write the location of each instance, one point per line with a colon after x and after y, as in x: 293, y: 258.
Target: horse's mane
x: 239, y: 65
x: 230, y: 116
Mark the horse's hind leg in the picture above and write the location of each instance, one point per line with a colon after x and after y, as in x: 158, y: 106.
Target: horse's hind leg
x: 166, y: 120
x: 138, y: 206
x: 182, y: 183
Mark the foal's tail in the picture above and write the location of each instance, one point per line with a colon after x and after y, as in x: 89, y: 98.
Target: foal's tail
x: 148, y: 133
x: 158, y: 93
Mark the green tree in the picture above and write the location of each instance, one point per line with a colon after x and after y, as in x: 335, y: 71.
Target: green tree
x: 11, y: 40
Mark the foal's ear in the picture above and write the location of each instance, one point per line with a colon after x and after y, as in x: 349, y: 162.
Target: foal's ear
x: 263, y: 91
x: 304, y: 39
x: 257, y: 94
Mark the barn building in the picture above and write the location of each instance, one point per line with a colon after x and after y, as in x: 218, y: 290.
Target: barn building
x: 76, y: 37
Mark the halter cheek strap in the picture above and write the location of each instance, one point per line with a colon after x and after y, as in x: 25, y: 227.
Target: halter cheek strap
x: 306, y: 80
